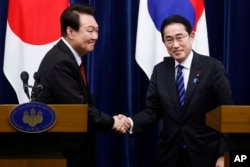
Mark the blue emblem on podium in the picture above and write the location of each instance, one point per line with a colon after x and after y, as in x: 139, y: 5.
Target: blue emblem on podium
x: 32, y: 117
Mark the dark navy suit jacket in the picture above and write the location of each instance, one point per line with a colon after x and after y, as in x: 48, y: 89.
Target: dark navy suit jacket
x: 208, y: 87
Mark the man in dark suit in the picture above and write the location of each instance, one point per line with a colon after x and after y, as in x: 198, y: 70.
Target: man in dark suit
x: 64, y: 83
x: 185, y: 139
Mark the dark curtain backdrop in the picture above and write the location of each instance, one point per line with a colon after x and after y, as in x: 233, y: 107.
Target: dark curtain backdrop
x: 118, y: 83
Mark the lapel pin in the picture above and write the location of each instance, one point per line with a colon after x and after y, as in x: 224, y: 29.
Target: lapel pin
x: 197, y: 79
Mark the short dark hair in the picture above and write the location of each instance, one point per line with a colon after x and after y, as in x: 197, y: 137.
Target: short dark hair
x: 176, y: 19
x: 70, y: 16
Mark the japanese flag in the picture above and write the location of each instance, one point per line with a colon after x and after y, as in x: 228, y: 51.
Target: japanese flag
x: 33, y: 27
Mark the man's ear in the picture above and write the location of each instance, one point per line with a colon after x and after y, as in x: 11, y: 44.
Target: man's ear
x: 192, y: 35
x: 70, y: 32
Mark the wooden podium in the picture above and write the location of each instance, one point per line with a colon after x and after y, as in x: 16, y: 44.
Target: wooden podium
x: 229, y: 119
x: 18, y: 149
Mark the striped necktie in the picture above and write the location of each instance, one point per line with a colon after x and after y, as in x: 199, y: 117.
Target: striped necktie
x: 180, y: 85
x: 181, y: 94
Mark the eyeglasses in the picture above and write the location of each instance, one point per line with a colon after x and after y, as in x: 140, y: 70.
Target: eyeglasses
x: 179, y: 39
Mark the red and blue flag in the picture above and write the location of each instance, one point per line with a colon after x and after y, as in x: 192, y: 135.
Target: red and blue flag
x: 149, y: 47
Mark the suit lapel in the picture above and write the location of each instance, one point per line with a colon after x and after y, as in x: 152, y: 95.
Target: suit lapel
x: 169, y: 81
x: 85, y: 88
x: 193, y: 81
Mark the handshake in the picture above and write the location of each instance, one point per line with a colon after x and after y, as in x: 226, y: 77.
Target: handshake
x: 122, y: 124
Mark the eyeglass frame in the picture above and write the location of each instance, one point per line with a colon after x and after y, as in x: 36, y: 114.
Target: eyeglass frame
x: 179, y: 39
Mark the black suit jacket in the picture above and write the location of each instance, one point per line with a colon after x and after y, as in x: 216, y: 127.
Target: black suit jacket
x: 62, y: 82
x: 208, y: 87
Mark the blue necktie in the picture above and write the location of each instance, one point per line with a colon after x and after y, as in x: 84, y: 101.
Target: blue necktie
x: 181, y: 94
x: 180, y: 85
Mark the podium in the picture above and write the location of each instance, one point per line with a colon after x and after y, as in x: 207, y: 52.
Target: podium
x: 230, y: 119
x: 18, y: 149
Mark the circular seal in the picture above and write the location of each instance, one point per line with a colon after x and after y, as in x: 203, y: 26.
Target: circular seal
x: 32, y: 117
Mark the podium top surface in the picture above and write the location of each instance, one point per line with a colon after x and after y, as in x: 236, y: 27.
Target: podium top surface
x: 230, y: 119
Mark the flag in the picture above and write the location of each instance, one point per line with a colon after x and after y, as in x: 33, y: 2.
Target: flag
x: 33, y: 27
x: 150, y: 49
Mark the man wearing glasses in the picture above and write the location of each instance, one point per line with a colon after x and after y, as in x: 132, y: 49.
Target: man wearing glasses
x: 182, y: 89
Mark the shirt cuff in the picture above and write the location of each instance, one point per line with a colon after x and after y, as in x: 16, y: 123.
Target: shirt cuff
x: 132, y: 125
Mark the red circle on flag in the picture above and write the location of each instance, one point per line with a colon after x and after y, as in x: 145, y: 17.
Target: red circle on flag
x: 36, y: 22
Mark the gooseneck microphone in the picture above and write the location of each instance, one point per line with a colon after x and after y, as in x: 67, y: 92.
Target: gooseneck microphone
x: 25, y: 77
x: 37, y: 87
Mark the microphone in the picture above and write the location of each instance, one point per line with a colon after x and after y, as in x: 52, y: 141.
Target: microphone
x: 37, y: 87
x: 39, y: 90
x: 25, y: 77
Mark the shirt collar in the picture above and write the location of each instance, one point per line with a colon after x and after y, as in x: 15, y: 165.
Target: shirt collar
x: 76, y: 55
x: 187, y: 62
